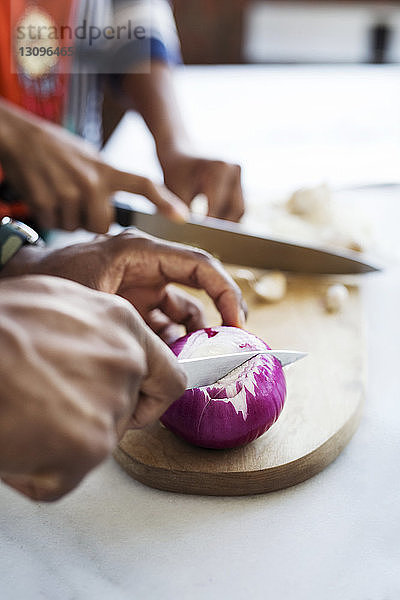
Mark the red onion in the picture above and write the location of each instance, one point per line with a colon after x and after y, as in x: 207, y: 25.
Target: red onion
x: 239, y: 407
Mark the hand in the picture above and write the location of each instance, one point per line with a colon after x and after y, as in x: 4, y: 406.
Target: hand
x: 140, y: 268
x: 64, y: 180
x: 187, y: 176
x: 77, y: 368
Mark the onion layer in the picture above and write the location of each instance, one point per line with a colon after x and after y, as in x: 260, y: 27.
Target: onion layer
x: 239, y: 407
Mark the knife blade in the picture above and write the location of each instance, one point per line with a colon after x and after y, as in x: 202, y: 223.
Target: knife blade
x: 232, y: 244
x: 207, y: 370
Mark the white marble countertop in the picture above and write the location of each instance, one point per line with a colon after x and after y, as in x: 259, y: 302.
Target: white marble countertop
x: 334, y: 536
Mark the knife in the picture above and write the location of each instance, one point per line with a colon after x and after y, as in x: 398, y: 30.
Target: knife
x: 209, y: 369
x: 232, y: 244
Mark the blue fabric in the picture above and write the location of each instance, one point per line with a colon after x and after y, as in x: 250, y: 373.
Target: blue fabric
x: 160, y: 52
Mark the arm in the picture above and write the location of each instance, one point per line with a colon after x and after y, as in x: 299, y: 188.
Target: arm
x: 153, y: 96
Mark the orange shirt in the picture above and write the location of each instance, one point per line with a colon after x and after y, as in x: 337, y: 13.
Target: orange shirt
x: 44, y: 94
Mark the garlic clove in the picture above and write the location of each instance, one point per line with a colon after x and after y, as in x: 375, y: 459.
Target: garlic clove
x: 336, y: 297
x: 199, y: 205
x: 244, y: 278
x: 312, y: 204
x: 271, y: 287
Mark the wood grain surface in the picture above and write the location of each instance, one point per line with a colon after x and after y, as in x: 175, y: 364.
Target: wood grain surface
x: 322, y: 410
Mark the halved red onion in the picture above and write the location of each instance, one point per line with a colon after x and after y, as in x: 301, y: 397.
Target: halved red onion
x: 239, y: 407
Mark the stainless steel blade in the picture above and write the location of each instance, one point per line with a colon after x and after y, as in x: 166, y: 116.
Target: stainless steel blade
x: 209, y: 369
x: 232, y: 244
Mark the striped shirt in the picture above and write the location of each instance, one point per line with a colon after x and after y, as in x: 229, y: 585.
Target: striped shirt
x: 85, y: 94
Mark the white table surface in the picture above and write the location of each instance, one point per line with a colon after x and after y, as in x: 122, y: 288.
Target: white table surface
x: 334, y: 536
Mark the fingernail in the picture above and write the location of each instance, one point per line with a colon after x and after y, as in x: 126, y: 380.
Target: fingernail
x: 34, y: 485
x: 180, y: 214
x: 46, y: 481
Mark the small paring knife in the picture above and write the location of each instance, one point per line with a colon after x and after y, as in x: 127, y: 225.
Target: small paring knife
x: 209, y: 369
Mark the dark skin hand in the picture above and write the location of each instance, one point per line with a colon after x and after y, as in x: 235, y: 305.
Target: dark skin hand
x: 64, y: 181
x: 141, y: 269
x: 70, y: 333
x: 78, y: 368
x: 187, y: 176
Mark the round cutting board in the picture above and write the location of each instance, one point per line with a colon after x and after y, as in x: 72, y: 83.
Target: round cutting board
x: 321, y: 413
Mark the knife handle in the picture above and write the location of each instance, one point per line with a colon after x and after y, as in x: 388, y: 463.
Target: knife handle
x: 124, y: 216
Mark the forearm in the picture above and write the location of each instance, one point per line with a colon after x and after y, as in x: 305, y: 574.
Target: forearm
x: 153, y: 96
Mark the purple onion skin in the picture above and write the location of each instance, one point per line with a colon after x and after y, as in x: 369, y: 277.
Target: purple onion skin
x: 202, y: 418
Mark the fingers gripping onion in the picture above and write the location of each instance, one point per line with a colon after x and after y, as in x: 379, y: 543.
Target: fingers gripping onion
x: 239, y: 407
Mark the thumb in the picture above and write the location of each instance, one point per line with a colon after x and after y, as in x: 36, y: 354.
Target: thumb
x: 165, y: 382
x: 166, y: 202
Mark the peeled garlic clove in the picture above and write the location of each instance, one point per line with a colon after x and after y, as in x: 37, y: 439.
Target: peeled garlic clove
x: 313, y: 204
x: 353, y: 242
x: 271, y: 287
x: 336, y: 297
x: 357, y: 244
x: 199, y: 205
x: 244, y: 278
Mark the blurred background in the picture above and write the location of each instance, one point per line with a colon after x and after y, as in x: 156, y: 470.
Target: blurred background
x: 263, y: 31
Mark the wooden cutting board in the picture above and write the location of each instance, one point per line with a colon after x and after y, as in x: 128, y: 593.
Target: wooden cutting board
x: 322, y: 410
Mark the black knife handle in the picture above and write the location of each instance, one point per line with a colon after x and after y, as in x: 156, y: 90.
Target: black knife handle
x: 125, y: 215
